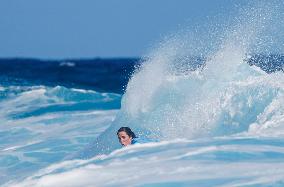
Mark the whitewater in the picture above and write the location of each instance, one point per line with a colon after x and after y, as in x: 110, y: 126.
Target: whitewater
x: 218, y: 123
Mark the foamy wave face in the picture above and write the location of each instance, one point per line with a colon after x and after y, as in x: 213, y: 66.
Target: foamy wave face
x: 226, y: 96
x: 193, y: 107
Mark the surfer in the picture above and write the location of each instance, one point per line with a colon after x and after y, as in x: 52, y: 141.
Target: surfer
x: 126, y: 136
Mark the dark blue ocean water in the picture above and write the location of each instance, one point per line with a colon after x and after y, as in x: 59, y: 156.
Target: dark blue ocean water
x: 104, y: 75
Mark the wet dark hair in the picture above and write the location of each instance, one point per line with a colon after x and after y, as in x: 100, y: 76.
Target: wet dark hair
x: 127, y: 130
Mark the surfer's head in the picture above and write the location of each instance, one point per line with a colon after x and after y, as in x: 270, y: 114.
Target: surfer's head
x: 125, y: 136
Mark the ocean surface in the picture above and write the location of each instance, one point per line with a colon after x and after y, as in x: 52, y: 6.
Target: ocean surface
x: 213, y: 119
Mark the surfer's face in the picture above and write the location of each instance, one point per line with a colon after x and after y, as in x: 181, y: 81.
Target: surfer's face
x: 124, y: 139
